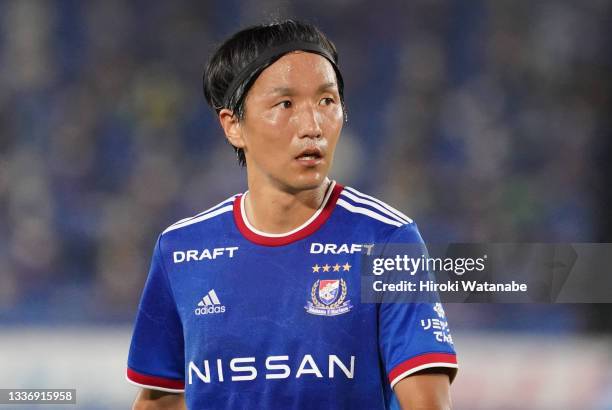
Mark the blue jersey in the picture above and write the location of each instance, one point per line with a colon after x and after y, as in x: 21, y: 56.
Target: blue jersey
x: 237, y: 318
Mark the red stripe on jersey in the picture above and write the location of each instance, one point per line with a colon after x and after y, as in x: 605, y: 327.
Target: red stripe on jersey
x: 155, y: 381
x: 295, y: 236
x: 420, y: 361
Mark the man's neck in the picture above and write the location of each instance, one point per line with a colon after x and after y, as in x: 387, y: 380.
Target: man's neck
x: 275, y: 211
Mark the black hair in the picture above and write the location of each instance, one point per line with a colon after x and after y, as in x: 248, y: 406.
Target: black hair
x: 246, y: 46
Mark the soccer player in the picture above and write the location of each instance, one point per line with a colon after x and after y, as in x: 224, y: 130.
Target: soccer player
x: 254, y: 303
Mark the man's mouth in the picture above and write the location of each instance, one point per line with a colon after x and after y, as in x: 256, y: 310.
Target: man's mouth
x: 310, y: 157
x: 310, y: 154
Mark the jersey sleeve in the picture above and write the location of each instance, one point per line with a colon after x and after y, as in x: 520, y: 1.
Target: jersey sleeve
x: 156, y: 357
x: 414, y: 336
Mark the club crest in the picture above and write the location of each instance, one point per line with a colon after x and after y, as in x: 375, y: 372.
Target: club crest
x: 328, y: 298
x: 328, y: 291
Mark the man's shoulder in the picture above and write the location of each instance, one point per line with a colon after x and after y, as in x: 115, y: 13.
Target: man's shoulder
x: 367, y: 209
x: 207, y: 218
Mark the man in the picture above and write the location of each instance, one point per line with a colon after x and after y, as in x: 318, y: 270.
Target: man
x: 254, y: 303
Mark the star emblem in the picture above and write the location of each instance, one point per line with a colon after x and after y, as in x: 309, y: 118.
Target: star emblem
x: 316, y: 268
x: 336, y: 268
x: 326, y: 268
x: 346, y: 267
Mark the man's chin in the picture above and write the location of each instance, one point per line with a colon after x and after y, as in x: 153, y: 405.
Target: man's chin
x: 308, y: 182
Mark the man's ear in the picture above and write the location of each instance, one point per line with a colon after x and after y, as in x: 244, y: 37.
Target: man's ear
x: 231, y: 126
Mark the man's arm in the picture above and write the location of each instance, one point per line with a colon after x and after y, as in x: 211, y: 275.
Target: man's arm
x: 149, y: 399
x: 424, y: 390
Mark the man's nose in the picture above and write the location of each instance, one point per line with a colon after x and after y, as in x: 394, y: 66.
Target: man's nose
x: 309, y: 122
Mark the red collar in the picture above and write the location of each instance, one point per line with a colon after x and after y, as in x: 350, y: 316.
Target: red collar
x: 308, y: 228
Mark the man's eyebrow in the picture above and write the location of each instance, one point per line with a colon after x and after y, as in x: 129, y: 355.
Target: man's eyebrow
x: 290, y: 91
x: 282, y: 91
x: 327, y: 86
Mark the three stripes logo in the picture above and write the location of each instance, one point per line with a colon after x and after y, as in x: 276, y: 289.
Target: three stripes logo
x: 209, y: 304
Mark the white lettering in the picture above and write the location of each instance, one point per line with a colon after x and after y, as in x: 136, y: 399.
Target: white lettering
x: 330, y: 248
x: 355, y: 248
x: 250, y: 369
x: 179, y: 256
x: 220, y: 370
x: 191, y: 254
x: 335, y: 359
x: 204, y: 377
x: 316, y: 247
x: 344, y: 248
x: 209, y: 309
x: 199, y: 255
x: 286, y: 370
x: 276, y: 367
x: 337, y: 249
x: 312, y: 370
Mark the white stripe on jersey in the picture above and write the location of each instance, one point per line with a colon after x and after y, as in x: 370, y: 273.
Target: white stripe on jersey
x: 148, y: 386
x: 199, y: 218
x: 389, y: 208
x: 230, y: 199
x: 421, y: 367
x: 386, y: 212
x: 368, y: 212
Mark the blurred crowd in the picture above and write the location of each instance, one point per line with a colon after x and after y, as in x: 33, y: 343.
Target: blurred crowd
x: 484, y: 121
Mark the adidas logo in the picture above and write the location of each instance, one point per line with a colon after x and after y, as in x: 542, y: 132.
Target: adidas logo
x: 209, y: 304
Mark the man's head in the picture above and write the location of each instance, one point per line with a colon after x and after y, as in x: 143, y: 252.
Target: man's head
x: 279, y: 96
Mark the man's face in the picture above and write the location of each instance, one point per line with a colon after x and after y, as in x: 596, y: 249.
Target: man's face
x: 293, y: 118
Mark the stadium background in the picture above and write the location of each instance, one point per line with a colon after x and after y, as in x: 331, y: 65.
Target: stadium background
x: 484, y: 121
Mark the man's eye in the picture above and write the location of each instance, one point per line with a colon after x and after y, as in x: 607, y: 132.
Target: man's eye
x: 327, y: 101
x: 285, y: 104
